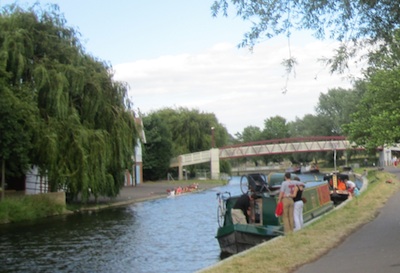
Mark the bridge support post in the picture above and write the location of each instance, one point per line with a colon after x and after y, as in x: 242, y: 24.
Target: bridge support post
x: 214, y: 154
x: 180, y: 168
x: 386, y: 156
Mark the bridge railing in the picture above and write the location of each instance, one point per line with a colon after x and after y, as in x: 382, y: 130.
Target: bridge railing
x: 268, y: 147
x: 191, y: 159
x: 283, y: 148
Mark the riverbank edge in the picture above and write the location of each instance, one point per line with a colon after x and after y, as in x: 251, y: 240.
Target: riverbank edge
x: 133, y: 194
x: 122, y: 203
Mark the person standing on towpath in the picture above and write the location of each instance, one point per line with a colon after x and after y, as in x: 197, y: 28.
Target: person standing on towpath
x: 286, y: 195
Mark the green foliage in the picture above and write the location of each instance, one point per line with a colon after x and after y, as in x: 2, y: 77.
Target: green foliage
x: 250, y: 134
x: 225, y: 167
x: 275, y: 128
x: 158, y: 148
x: 337, y: 106
x: 81, y: 133
x: 376, y: 122
x: 191, y: 129
x: 387, y: 56
x: 356, y: 24
x: 17, y: 128
x: 310, y: 125
x: 172, y: 132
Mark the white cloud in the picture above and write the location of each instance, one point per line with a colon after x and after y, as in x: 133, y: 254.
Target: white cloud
x: 240, y: 87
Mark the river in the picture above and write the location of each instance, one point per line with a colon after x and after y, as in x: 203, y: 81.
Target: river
x: 174, y: 234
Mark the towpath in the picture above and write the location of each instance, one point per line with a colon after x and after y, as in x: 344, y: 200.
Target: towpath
x: 375, y: 247
x: 149, y: 191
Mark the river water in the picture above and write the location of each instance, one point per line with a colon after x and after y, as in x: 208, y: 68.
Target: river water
x: 175, y: 234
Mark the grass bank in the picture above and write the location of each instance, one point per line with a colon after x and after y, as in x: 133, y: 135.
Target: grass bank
x: 28, y: 207
x: 315, y: 239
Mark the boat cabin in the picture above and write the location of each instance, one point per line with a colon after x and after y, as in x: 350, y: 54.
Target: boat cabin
x: 337, y: 186
x: 234, y: 238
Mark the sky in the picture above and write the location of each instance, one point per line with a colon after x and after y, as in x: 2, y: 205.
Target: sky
x: 175, y: 54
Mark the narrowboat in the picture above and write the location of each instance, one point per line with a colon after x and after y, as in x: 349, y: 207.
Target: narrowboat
x: 235, y: 238
x: 296, y: 170
x: 310, y: 169
x: 337, y: 186
x: 303, y: 169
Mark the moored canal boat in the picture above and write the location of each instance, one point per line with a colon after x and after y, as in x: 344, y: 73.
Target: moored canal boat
x: 235, y: 238
x: 310, y: 169
x: 337, y: 186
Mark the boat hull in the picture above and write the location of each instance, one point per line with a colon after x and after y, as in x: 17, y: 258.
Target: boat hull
x: 235, y: 238
x: 338, y: 198
x: 241, y: 237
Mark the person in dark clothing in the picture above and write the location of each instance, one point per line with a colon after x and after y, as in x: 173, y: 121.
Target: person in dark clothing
x: 241, y: 211
x: 298, y: 206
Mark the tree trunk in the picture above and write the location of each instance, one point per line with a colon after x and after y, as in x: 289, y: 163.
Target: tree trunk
x: 3, y: 178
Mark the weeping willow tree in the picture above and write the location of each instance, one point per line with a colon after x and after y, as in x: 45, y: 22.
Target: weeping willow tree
x: 83, y: 133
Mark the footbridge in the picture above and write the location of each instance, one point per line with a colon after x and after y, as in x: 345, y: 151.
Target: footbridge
x: 261, y: 148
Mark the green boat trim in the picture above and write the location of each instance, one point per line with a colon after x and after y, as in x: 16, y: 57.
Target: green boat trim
x: 239, y: 237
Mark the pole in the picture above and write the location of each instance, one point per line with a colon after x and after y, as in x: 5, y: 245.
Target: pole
x: 334, y: 146
x: 212, y: 138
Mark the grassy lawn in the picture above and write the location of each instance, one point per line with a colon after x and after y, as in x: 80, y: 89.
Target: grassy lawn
x: 317, y: 238
x: 28, y: 207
